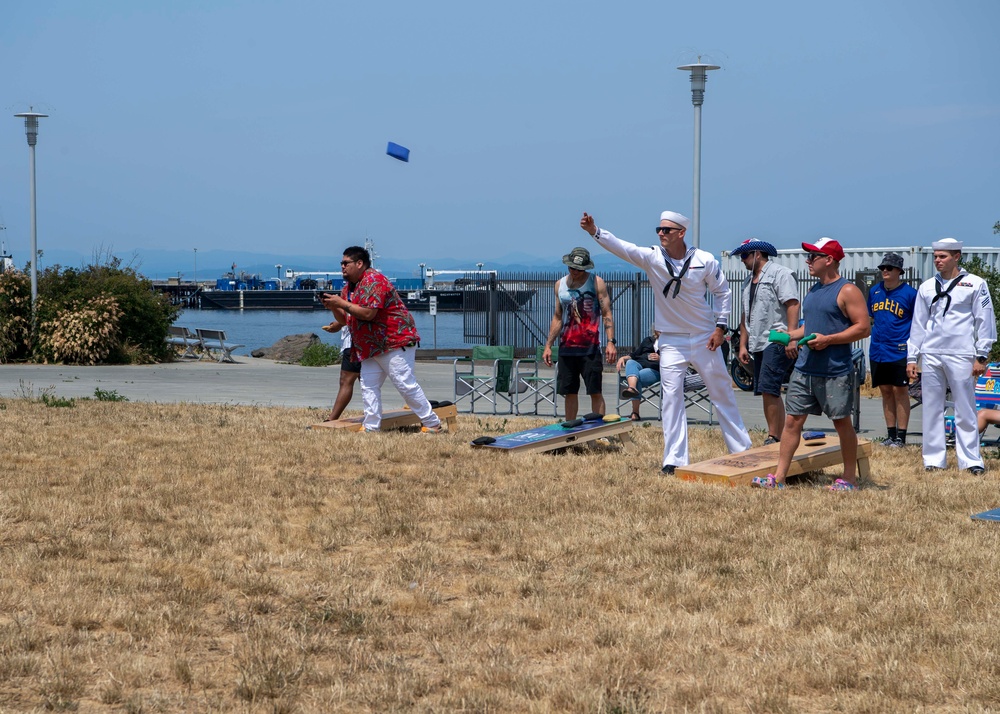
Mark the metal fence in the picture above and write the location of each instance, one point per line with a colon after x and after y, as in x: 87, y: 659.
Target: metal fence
x: 521, y: 306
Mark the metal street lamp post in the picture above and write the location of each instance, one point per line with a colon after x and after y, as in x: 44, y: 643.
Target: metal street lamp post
x: 699, y: 75
x: 31, y: 129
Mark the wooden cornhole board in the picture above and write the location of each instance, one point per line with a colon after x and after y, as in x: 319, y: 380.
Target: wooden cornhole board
x: 554, y: 436
x: 740, y: 469
x: 395, y: 420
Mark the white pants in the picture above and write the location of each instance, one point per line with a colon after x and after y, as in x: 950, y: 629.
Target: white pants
x: 677, y: 351
x: 397, y: 365
x: 939, y: 373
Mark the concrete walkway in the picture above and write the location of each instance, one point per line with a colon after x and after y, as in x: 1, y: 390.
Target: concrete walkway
x: 266, y: 383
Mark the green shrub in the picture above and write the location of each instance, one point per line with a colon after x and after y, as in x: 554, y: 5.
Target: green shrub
x: 101, y: 313
x: 49, y: 399
x: 320, y: 354
x: 145, y: 314
x: 82, y: 333
x: 15, y: 315
x: 108, y: 395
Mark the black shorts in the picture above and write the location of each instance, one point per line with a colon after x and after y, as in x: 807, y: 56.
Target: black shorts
x: 347, y: 364
x: 572, y: 367
x: 890, y: 373
x: 771, y: 369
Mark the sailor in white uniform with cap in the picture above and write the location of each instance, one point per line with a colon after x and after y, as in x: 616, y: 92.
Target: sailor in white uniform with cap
x: 953, y: 331
x: 690, y: 330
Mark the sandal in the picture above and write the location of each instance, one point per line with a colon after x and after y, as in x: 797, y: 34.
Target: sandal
x: 634, y: 416
x: 842, y: 485
x: 629, y: 393
x: 768, y: 481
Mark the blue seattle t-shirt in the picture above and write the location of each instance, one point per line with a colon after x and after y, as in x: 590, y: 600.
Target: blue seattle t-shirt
x: 892, y: 311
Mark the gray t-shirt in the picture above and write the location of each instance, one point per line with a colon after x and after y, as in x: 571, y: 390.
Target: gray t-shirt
x: 777, y: 286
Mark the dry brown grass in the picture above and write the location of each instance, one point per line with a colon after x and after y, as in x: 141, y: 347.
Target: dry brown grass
x: 217, y: 558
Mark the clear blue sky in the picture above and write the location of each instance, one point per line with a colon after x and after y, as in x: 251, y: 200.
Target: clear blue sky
x: 262, y: 125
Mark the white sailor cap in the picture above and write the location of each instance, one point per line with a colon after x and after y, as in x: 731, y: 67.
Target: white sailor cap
x: 677, y: 218
x: 947, y: 244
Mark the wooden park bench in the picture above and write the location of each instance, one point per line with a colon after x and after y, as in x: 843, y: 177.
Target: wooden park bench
x: 182, y: 337
x: 215, y: 341
x: 739, y: 469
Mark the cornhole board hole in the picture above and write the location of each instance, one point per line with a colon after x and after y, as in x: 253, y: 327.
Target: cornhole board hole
x: 395, y: 420
x: 991, y: 515
x: 554, y: 436
x: 740, y: 469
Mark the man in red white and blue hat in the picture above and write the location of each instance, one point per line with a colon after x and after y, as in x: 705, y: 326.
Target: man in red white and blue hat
x: 770, y: 302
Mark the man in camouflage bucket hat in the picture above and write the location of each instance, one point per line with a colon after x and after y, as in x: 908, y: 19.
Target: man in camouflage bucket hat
x: 582, y: 303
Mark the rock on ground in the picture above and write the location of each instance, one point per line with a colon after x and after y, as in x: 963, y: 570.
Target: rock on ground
x: 288, y: 349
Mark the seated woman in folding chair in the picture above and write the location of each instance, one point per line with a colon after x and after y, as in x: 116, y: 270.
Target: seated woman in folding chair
x: 985, y: 417
x: 642, y: 369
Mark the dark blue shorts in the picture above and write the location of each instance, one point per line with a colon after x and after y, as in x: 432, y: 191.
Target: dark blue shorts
x: 771, y: 370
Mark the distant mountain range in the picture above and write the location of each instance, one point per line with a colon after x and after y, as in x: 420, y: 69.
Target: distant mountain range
x: 163, y: 264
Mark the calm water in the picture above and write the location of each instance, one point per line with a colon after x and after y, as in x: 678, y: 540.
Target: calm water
x: 262, y: 328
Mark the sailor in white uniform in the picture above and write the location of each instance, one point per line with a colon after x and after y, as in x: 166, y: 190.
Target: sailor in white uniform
x: 691, y: 331
x: 953, y: 331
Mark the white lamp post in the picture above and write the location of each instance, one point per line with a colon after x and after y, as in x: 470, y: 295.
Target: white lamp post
x: 196, y: 268
x: 699, y: 75
x: 31, y: 129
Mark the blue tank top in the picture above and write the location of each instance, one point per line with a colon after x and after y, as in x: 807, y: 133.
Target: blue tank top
x: 823, y: 315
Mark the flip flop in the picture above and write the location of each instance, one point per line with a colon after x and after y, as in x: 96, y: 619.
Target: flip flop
x: 842, y: 485
x: 635, y: 417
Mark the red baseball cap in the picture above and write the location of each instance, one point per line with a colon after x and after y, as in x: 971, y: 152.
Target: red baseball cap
x: 825, y: 245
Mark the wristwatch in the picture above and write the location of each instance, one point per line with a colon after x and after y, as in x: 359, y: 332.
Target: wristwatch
x: 613, y: 341
x: 982, y: 360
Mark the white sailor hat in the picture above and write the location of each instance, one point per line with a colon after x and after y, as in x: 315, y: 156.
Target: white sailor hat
x: 677, y: 218
x: 947, y: 244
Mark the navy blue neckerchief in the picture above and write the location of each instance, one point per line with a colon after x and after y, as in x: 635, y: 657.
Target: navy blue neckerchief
x: 675, y: 278
x: 946, y: 293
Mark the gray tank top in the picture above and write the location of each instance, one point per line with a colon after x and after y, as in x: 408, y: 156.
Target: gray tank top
x: 823, y: 315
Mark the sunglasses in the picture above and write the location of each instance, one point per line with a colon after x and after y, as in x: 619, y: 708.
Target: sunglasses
x: 667, y: 229
x: 813, y: 256
x: 347, y: 262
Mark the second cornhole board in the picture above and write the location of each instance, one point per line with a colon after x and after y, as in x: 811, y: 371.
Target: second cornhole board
x: 394, y: 420
x: 991, y: 515
x: 554, y: 436
x: 740, y: 469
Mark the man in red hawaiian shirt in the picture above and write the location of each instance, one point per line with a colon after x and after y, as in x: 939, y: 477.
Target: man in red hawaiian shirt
x: 384, y: 338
